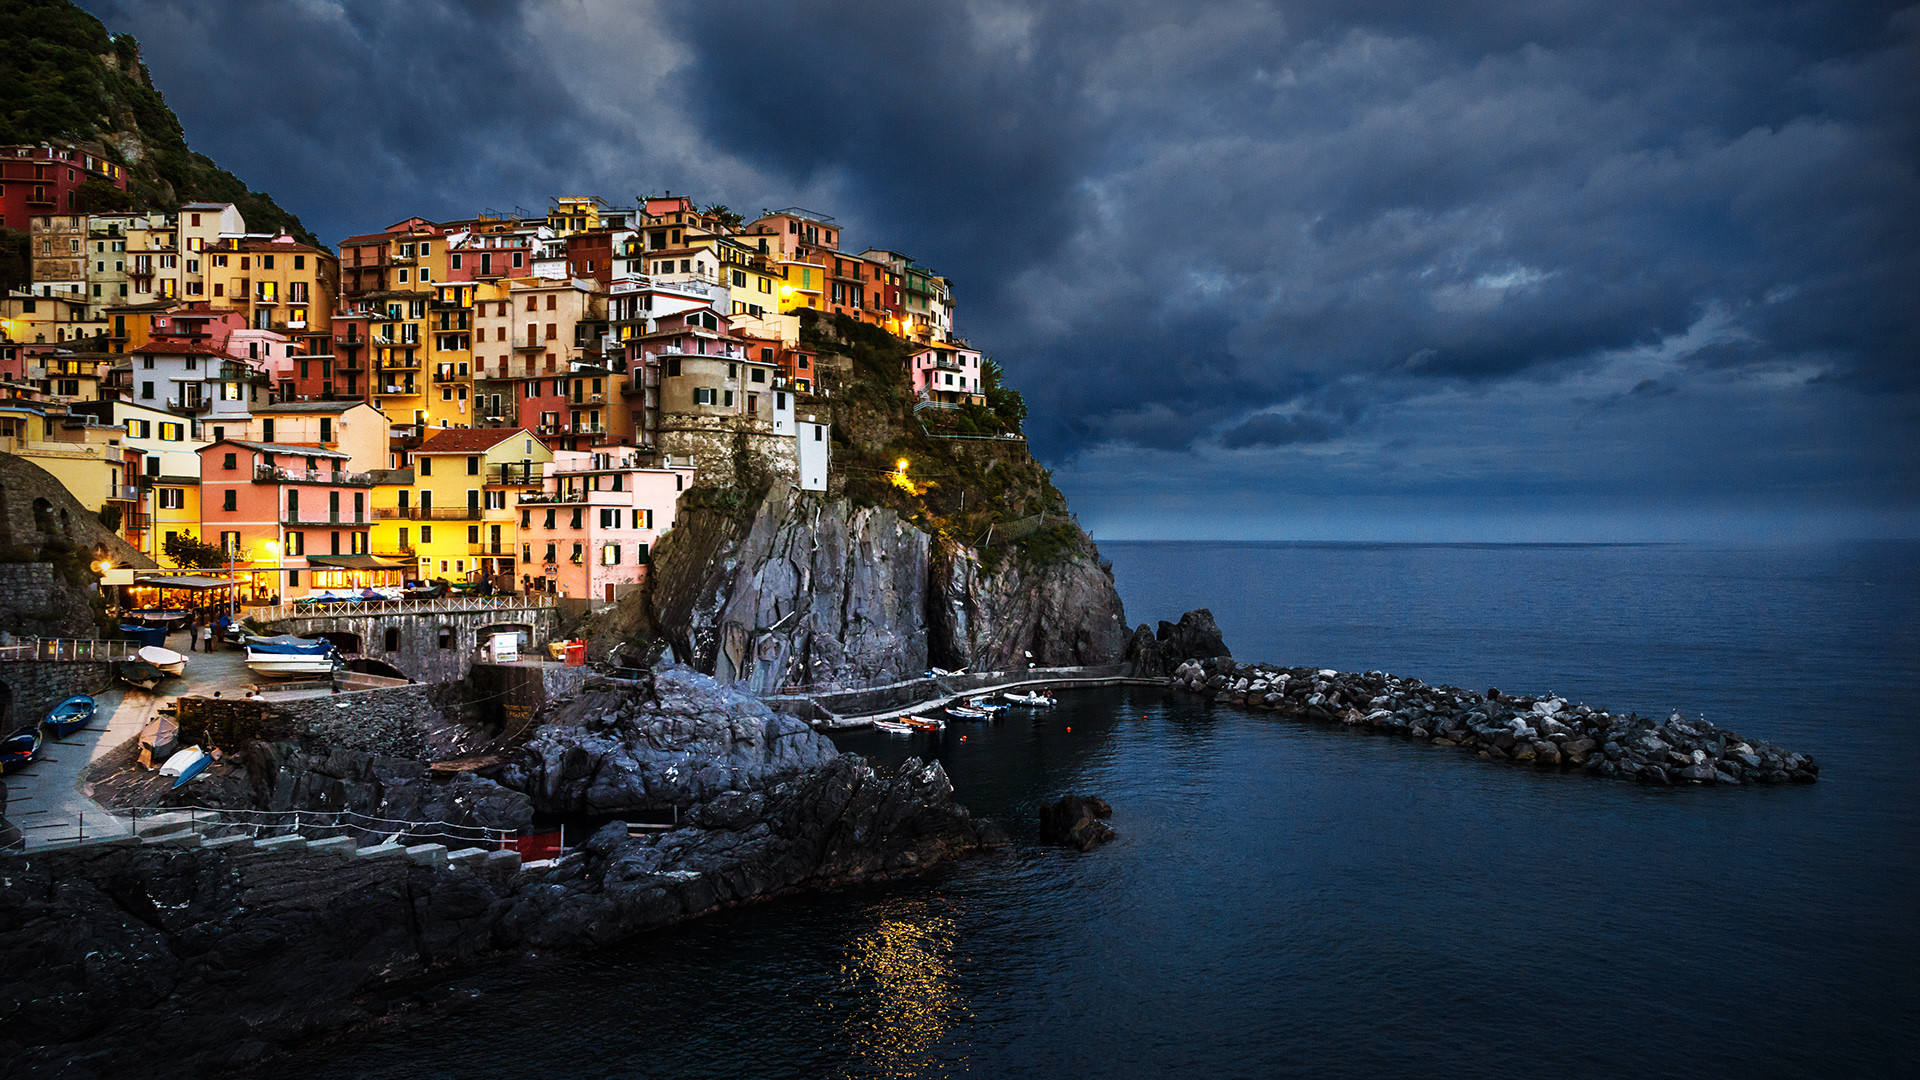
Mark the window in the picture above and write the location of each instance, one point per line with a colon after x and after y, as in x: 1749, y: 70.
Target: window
x: 496, y: 500
x: 426, y: 466
x: 473, y: 466
x: 446, y: 637
x: 146, y: 390
x: 610, y: 555
x: 172, y: 498
x: 703, y: 395
x: 336, y: 544
x: 609, y: 518
x: 392, y: 640
x: 230, y: 541
x: 757, y: 374
x: 296, y: 543
x: 549, y: 525
x: 232, y: 462
x: 578, y: 551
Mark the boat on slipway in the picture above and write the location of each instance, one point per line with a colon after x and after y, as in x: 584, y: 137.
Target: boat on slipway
x: 69, y: 716
x: 289, y: 657
x: 165, y: 659
x: 18, y: 750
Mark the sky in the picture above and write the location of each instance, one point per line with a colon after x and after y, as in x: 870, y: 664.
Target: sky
x: 1527, y: 270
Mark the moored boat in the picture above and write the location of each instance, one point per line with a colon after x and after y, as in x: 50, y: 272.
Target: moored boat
x: 924, y: 723
x: 69, y: 716
x: 19, y: 749
x: 993, y: 711
x: 963, y: 712
x: 894, y: 727
x: 165, y: 659
x: 1032, y: 701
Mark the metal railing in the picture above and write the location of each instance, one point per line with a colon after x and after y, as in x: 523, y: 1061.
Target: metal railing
x: 261, y: 824
x: 398, y: 607
x: 38, y: 648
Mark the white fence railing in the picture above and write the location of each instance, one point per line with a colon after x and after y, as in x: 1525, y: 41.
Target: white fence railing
x: 278, y: 612
x: 37, y: 648
x: 312, y: 824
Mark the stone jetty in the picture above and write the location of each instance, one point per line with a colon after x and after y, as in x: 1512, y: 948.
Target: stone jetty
x: 1543, y: 733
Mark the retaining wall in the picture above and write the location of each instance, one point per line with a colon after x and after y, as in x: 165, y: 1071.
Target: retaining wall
x: 28, y: 688
x: 391, y: 721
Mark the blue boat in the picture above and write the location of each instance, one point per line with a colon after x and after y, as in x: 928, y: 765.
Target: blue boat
x: 288, y: 644
x: 145, y: 635
x: 69, y: 716
x: 19, y: 749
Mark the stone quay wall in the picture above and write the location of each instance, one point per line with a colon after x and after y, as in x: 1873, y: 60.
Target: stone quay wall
x: 28, y: 688
x: 391, y: 721
x: 429, y: 646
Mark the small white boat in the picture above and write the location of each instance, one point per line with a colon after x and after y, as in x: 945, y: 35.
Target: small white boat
x: 962, y: 712
x: 186, y: 764
x: 165, y: 659
x: 273, y: 665
x: 894, y: 727
x: 1032, y: 701
x: 986, y: 706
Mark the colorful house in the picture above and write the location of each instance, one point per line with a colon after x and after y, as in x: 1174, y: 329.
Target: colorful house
x: 462, y: 505
x: 587, y: 531
x: 293, y: 516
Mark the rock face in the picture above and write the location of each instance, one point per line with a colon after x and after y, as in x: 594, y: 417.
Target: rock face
x: 231, y: 952
x: 1074, y: 821
x: 1547, y: 733
x: 840, y: 823
x: 1195, y: 637
x: 611, y: 750
x: 807, y: 590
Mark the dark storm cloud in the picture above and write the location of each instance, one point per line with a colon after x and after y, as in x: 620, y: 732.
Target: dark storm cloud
x: 1223, y: 230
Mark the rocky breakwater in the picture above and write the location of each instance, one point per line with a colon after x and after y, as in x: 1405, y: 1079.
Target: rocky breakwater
x: 1545, y: 733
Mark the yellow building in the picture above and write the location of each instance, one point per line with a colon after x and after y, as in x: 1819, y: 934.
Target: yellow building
x: 465, y: 501
x: 85, y: 455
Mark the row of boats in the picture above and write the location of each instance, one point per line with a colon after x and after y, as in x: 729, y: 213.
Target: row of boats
x: 975, y: 709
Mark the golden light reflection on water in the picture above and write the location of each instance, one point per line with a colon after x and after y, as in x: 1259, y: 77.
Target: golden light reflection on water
x: 898, y: 994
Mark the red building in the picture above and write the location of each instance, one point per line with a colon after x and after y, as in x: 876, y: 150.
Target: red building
x: 46, y: 179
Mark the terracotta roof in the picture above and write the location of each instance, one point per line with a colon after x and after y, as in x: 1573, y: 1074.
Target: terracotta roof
x: 175, y: 348
x: 468, y: 440
x: 281, y: 448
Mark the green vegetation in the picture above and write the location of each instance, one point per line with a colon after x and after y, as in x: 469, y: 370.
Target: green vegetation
x: 983, y: 492
x: 64, y: 79
x: 186, y: 550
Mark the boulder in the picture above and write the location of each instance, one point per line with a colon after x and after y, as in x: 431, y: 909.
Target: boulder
x: 1073, y: 821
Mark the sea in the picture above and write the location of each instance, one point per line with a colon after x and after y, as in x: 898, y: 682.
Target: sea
x: 1287, y: 899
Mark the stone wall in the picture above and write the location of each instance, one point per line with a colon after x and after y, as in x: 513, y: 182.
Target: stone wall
x: 505, y: 696
x: 421, y: 651
x: 28, y: 688
x: 393, y: 721
x: 38, y: 602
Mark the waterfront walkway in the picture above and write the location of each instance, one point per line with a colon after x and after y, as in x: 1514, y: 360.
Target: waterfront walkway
x: 50, y: 802
x: 854, y: 707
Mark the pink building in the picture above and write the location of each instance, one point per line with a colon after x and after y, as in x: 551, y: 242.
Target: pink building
x: 588, y: 532
x: 295, y: 518
x: 944, y: 372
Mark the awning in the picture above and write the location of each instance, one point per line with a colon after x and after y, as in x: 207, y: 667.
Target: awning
x: 356, y: 562
x: 168, y: 581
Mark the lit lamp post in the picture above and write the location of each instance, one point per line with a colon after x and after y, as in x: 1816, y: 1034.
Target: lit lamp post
x: 273, y: 549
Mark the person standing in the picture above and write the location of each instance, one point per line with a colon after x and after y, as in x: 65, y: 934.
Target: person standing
x: 193, y: 633
x: 207, y: 637
x: 220, y: 630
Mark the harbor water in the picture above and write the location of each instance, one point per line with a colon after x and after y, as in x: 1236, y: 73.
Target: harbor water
x: 1289, y: 899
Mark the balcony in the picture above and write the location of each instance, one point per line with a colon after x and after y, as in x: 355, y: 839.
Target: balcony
x: 400, y: 363
x: 123, y: 492
x: 311, y: 476
x: 313, y: 519
x: 524, y: 345
x: 189, y: 405
x: 390, y: 390
x: 396, y: 551
x: 394, y: 513
x: 487, y: 547
x: 516, y: 474
x: 551, y: 498
x: 448, y: 513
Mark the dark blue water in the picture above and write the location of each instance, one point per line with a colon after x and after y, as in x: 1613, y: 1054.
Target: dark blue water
x: 1290, y: 900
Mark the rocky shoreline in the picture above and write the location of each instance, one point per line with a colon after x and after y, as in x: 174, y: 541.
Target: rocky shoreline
x: 1543, y: 733
x: 227, y: 953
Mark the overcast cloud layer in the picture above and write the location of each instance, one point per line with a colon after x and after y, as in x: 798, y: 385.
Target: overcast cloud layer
x: 1483, y: 269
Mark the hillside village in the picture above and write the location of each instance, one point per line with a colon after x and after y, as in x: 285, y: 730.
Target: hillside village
x: 505, y: 402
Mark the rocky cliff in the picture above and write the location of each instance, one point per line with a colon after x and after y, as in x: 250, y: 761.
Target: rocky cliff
x: 808, y: 590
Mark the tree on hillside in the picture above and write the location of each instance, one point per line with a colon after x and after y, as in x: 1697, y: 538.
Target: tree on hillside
x: 1005, y: 402
x: 725, y: 215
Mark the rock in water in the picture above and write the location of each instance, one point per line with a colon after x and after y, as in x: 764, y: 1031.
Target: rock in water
x: 1074, y: 822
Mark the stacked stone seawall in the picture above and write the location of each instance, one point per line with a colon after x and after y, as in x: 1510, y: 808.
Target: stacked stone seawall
x: 28, y: 688
x: 391, y: 721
